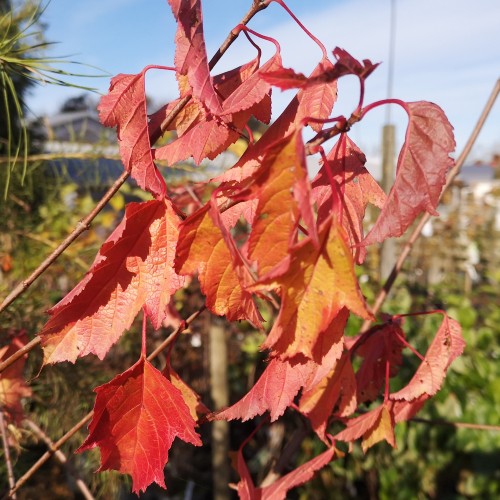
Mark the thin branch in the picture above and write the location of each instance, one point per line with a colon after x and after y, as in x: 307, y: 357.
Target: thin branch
x: 61, y: 457
x: 20, y: 353
x: 458, y: 425
x: 311, y: 146
x: 20, y: 203
x: 384, y: 292
x: 8, y: 461
x: 256, y: 7
x: 290, y: 449
x: 181, y: 328
x: 155, y: 134
x: 194, y: 196
x: 48, y: 454
x: 57, y: 445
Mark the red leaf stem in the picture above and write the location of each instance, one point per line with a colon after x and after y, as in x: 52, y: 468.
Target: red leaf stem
x: 306, y: 31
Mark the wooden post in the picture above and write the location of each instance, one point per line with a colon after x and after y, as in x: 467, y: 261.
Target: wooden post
x: 388, y: 247
x: 220, y: 396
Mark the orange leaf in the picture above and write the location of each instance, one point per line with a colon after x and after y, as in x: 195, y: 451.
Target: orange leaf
x: 336, y: 389
x: 374, y: 426
x: 315, y: 285
x: 202, y: 247
x: 383, y: 429
x: 282, y: 188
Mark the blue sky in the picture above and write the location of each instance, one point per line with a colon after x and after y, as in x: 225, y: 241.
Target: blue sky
x: 447, y: 51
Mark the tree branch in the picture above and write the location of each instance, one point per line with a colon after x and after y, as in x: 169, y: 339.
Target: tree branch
x: 458, y: 425
x: 61, y: 457
x: 257, y: 6
x: 19, y: 353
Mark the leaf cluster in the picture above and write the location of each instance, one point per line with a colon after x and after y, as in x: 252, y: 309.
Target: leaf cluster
x: 298, y: 251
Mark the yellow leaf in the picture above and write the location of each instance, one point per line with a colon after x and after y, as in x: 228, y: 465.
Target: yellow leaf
x: 383, y: 429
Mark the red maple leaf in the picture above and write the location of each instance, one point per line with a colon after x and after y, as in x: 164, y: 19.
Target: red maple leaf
x: 421, y: 171
x: 317, y: 101
x: 286, y: 78
x: 133, y: 269
x: 234, y: 213
x: 12, y: 385
x: 206, y: 139
x: 203, y: 135
x: 348, y: 65
x: 193, y: 112
x: 274, y: 391
x: 137, y: 416
x: 446, y: 346
x: 405, y: 410
x: 252, y: 90
x: 125, y: 108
